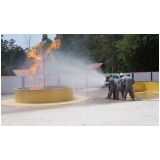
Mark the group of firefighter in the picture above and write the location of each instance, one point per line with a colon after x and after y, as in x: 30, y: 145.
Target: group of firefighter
x: 119, y: 83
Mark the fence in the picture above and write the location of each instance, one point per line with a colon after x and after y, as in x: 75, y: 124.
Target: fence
x: 144, y: 76
x: 9, y: 83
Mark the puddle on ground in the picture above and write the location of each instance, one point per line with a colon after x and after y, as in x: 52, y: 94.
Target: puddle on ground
x: 146, y: 95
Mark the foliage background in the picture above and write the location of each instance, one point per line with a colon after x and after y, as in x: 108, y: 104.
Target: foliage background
x: 125, y: 52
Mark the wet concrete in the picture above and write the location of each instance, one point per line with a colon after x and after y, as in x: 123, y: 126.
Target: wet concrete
x: 96, y: 110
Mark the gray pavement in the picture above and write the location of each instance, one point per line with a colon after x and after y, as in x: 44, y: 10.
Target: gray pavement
x: 95, y: 111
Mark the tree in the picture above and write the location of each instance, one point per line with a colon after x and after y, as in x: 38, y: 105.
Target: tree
x: 92, y: 48
x: 140, y: 52
x: 28, y: 40
x: 41, y: 54
x: 74, y: 45
x: 103, y: 48
x: 12, y: 57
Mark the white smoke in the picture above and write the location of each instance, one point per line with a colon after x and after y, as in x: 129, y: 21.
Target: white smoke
x: 67, y: 71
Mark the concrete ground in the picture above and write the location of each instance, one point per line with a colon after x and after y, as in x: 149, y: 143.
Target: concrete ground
x: 96, y: 110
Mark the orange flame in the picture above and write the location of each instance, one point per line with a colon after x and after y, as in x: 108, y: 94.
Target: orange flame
x: 36, y: 59
x: 33, y: 70
x: 37, y: 87
x: 55, y: 45
x: 36, y: 55
x: 32, y: 53
x: 39, y: 45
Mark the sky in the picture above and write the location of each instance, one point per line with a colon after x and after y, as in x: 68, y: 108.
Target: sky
x: 21, y: 40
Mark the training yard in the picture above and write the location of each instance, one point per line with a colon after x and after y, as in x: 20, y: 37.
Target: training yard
x: 90, y: 108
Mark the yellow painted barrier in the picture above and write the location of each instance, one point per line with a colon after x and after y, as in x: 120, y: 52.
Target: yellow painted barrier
x: 44, y: 96
x: 139, y: 86
x: 152, y: 86
x: 146, y: 86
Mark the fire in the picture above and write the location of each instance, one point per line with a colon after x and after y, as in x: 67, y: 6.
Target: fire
x: 55, y: 45
x: 38, y: 56
x: 32, y: 53
x: 39, y: 45
x: 37, y: 87
x: 36, y: 59
x: 33, y: 70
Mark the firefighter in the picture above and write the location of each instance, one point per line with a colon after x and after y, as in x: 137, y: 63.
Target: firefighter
x: 107, y: 84
x: 119, y: 72
x: 128, y: 88
x: 112, y: 87
x: 119, y: 87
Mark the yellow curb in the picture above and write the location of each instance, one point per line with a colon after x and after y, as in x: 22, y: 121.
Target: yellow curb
x: 11, y: 102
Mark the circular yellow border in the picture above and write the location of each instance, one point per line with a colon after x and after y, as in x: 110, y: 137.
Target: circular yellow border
x: 12, y: 102
x: 51, y: 95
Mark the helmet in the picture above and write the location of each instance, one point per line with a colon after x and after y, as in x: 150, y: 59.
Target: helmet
x: 110, y: 75
x: 114, y: 75
x: 121, y: 74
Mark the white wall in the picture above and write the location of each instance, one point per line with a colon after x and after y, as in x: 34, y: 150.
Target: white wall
x: 142, y: 76
x: 155, y: 76
x: 145, y: 76
x: 9, y: 83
